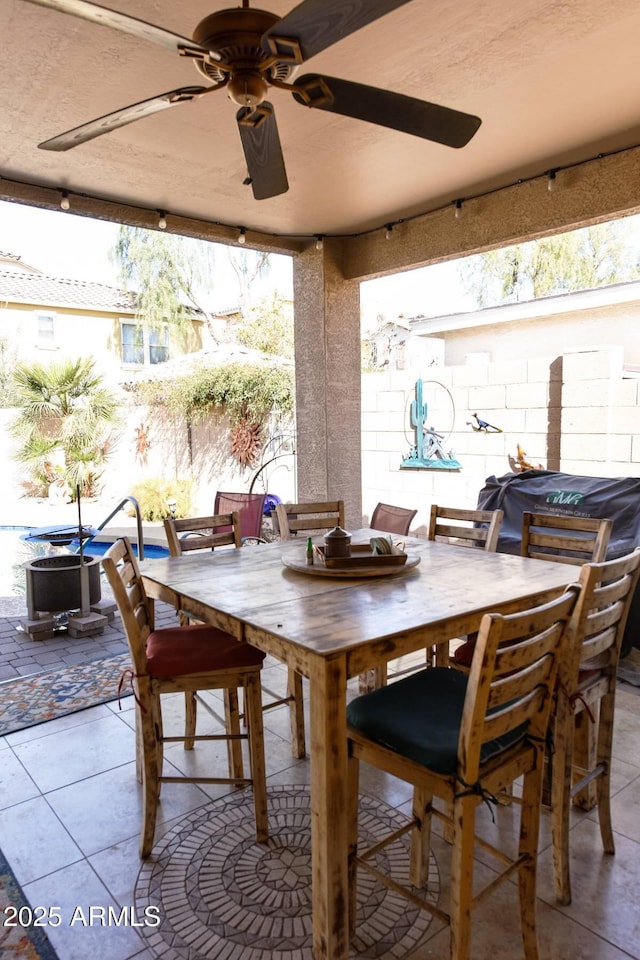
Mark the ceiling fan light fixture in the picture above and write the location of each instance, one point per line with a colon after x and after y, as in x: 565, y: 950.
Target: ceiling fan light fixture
x: 65, y: 203
x: 162, y: 220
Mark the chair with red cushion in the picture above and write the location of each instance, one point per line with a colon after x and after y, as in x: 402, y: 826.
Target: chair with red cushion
x: 184, y: 659
x: 207, y: 533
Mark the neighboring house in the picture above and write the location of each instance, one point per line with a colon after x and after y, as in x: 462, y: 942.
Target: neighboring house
x: 42, y: 318
x: 588, y: 318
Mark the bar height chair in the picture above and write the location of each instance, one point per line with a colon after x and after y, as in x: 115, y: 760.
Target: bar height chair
x: 465, y: 738
x: 586, y: 694
x: 201, y: 533
x: 308, y: 518
x: 183, y: 659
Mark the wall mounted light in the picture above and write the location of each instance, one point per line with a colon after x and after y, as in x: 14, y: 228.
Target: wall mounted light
x: 242, y: 236
x: 551, y: 181
x: 162, y: 220
x: 65, y: 203
x: 319, y: 242
x: 457, y: 209
x: 388, y: 231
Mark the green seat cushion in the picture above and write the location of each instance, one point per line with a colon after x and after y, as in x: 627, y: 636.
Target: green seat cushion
x: 419, y: 717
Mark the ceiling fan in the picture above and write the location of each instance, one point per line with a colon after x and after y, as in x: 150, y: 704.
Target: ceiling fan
x: 245, y: 51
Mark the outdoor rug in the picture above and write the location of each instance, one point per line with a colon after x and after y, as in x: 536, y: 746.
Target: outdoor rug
x: 19, y: 938
x: 56, y: 693
x: 218, y: 893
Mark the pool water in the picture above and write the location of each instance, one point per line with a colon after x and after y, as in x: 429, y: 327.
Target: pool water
x: 15, y: 552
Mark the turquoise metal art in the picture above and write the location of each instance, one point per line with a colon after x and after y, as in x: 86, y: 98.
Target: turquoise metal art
x: 427, y: 453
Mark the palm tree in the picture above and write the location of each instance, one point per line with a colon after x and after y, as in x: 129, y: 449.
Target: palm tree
x: 66, y: 424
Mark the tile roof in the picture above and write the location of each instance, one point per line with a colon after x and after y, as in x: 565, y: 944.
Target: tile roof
x: 19, y: 287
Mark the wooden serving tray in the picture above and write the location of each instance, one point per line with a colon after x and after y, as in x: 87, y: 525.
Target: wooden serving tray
x: 363, y: 556
x: 361, y: 564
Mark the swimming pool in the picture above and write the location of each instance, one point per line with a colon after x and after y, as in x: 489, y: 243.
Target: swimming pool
x: 15, y: 552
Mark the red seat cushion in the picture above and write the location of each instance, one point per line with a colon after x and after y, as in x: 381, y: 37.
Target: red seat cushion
x: 177, y: 651
x: 464, y: 653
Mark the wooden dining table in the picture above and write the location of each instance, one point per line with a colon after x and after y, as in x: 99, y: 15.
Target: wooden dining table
x: 331, y: 628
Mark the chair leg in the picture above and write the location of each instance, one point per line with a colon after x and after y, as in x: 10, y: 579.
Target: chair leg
x: 232, y: 727
x: 353, y: 779
x: 584, y: 752
x: 139, y: 749
x: 603, y: 782
x: 253, y: 707
x: 296, y: 713
x: 528, y: 847
x: 190, y: 717
x: 151, y: 757
x: 462, y: 877
x: 561, y: 764
x: 420, y: 838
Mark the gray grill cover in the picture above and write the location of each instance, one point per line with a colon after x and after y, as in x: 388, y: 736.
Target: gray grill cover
x: 565, y: 494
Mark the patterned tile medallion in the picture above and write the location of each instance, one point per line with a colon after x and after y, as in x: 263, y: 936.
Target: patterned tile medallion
x: 222, y: 895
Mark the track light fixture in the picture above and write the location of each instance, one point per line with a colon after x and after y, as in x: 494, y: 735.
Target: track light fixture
x: 65, y: 203
x: 319, y: 241
x: 242, y: 236
x: 162, y: 220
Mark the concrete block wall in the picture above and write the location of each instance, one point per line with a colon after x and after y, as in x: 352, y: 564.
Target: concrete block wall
x: 577, y: 413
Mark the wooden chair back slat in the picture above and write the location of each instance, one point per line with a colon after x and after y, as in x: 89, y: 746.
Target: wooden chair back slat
x: 202, y: 533
x: 514, y: 666
x: 308, y: 518
x: 470, y: 528
x: 574, y: 540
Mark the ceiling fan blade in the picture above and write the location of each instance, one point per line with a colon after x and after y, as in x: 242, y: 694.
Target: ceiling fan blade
x: 119, y: 21
x: 119, y: 118
x: 314, y: 25
x: 262, y: 151
x: 416, y: 117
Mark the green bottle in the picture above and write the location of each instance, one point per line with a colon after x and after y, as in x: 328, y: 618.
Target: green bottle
x: 309, y: 552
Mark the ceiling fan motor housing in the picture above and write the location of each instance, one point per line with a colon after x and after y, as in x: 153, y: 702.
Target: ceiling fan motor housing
x: 235, y: 36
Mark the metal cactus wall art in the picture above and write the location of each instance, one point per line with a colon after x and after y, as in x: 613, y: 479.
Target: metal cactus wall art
x: 427, y: 452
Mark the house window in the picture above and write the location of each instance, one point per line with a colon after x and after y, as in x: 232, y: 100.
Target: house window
x: 46, y: 330
x: 142, y: 346
x: 158, y: 345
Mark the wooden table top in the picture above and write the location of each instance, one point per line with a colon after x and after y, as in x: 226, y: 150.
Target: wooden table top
x: 448, y: 590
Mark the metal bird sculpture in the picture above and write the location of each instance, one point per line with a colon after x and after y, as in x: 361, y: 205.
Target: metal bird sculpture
x: 483, y: 425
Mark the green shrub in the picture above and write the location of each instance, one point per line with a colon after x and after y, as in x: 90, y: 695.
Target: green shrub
x: 154, y: 494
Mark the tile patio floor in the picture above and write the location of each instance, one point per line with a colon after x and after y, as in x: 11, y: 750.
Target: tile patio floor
x: 70, y: 814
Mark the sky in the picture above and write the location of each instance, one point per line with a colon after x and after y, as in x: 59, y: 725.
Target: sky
x: 63, y: 245
x: 73, y: 247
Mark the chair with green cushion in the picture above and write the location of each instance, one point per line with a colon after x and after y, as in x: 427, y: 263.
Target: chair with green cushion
x: 466, y: 738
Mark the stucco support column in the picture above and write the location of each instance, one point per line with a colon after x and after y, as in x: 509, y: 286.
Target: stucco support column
x: 327, y: 355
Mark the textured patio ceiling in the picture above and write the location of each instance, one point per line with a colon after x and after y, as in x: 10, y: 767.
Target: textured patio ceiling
x: 555, y: 83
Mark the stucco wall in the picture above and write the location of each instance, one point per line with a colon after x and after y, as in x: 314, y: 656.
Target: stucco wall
x: 576, y: 412
x: 209, y: 464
